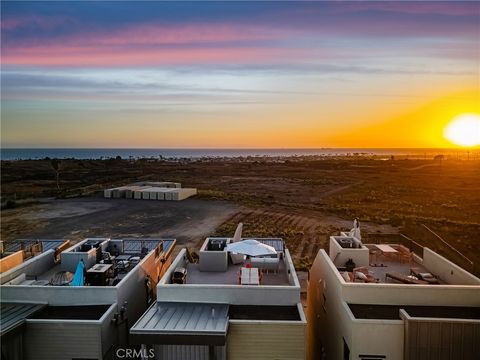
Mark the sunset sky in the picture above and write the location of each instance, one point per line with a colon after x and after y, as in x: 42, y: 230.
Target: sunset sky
x: 249, y: 74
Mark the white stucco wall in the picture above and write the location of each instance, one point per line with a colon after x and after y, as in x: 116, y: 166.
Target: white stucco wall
x: 34, y: 266
x: 340, y: 256
x: 331, y: 321
x: 446, y: 270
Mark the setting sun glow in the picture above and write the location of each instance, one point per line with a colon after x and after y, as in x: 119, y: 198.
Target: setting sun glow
x: 464, y: 130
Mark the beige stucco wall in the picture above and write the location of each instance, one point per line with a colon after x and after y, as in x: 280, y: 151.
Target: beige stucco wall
x: 446, y: 270
x: 330, y: 320
x: 377, y: 337
x: 327, y: 321
x: 264, y: 340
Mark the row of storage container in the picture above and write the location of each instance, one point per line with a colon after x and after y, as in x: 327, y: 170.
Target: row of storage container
x: 150, y: 193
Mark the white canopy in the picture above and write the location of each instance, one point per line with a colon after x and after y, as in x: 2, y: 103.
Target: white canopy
x: 251, y: 247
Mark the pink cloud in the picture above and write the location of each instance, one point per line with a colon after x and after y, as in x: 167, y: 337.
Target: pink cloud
x: 98, y: 56
x: 151, y: 44
x: 184, y: 34
x: 42, y: 22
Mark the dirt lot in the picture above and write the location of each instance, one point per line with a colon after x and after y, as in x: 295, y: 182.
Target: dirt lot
x: 188, y: 221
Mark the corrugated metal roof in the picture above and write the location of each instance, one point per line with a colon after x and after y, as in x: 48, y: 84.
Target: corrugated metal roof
x: 13, y: 315
x: 183, y: 323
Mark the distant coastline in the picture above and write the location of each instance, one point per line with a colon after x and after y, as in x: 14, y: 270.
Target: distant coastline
x: 126, y: 153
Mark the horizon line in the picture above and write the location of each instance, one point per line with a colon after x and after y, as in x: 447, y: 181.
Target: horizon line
x: 242, y: 148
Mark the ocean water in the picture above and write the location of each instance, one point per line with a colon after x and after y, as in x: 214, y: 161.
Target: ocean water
x: 22, y: 154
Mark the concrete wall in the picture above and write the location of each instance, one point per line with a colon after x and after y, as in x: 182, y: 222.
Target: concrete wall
x: 70, y: 260
x: 212, y: 260
x: 339, y: 255
x: 10, y: 261
x: 376, y: 337
x: 32, y: 267
x: 404, y: 294
x: 291, y: 272
x: 227, y: 294
x: 60, y: 295
x: 264, y: 340
x: 446, y: 270
x: 66, y: 339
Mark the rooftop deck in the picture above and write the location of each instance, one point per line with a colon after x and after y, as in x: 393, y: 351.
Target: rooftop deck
x: 382, y: 263
x: 231, y: 276
x: 380, y: 269
x: 124, y: 255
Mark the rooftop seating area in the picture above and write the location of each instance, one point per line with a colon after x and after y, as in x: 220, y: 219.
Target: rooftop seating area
x: 391, y: 263
x: 218, y: 266
x: 105, y: 262
x: 233, y: 275
x: 396, y: 264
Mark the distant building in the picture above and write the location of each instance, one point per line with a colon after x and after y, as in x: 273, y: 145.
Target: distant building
x: 226, y: 308
x: 383, y: 301
x: 169, y: 191
x: 81, y: 304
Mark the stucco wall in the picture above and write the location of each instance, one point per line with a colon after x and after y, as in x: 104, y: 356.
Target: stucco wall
x: 265, y: 340
x: 34, y: 266
x: 446, y: 270
x: 327, y: 321
x: 60, y: 295
x: 377, y: 337
x: 340, y: 256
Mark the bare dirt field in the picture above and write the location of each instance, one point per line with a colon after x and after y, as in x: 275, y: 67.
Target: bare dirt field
x: 188, y: 221
x: 302, y: 200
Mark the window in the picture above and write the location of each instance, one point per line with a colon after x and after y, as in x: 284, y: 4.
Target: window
x: 346, y: 350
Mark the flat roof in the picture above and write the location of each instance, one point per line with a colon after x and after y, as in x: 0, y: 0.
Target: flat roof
x: 131, y: 247
x: 392, y: 312
x: 394, y: 267
x: 230, y: 277
x: 182, y: 323
x: 80, y: 312
x: 13, y: 315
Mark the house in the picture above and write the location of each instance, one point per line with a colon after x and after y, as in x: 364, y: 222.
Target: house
x: 82, y: 304
x: 226, y: 307
x: 390, y: 301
